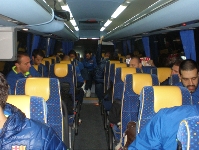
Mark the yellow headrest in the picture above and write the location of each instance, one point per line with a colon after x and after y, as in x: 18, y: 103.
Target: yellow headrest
x: 119, y: 55
x: 140, y: 80
x: 61, y: 70
x: 120, y: 65
x: 125, y: 71
x: 114, y: 61
x: 22, y: 102
x: 65, y: 62
x: 36, y: 67
x: 163, y: 74
x: 103, y: 54
x: 49, y: 60
x: 43, y: 62
x: 166, y: 96
x: 38, y: 87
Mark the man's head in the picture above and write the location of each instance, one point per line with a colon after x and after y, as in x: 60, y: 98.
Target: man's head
x: 189, y: 74
x: 88, y: 55
x: 22, y: 63
x: 66, y: 57
x: 175, y: 67
x: 3, y: 91
x: 37, y: 56
x: 72, y: 54
x: 135, y: 62
x: 107, y: 54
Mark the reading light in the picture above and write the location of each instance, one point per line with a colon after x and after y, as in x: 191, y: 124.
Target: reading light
x: 118, y: 11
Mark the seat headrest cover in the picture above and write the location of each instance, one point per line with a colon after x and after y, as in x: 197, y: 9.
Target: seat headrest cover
x: 163, y: 74
x: 120, y: 65
x: 65, y: 62
x: 166, y: 97
x: 114, y: 61
x: 20, y: 101
x: 140, y: 80
x: 43, y: 62
x: 61, y: 70
x: 38, y: 87
x: 48, y: 59
x: 125, y: 71
x: 36, y: 67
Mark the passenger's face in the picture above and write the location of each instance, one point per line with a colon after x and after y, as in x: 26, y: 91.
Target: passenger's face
x: 72, y: 56
x: 37, y: 60
x: 175, y: 70
x: 88, y: 56
x: 24, y: 65
x: 134, y: 63
x: 190, y: 79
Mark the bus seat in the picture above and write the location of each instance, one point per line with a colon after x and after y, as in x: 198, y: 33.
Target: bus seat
x: 39, y: 68
x: 54, y: 59
x: 122, y: 59
x: 188, y: 133
x: 153, y: 98
x: 162, y: 73
x: 133, y: 85
x: 147, y: 69
x: 34, y: 107
x: 65, y: 62
x: 107, y: 73
x: 174, y: 79
x: 49, y: 89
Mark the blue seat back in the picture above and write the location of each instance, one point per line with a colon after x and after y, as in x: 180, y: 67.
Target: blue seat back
x: 188, y: 133
x: 49, y: 89
x: 147, y: 69
x: 153, y: 98
x: 162, y: 73
x: 34, y: 107
x: 174, y: 79
x: 130, y: 103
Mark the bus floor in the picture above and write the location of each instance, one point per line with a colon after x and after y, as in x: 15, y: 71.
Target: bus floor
x: 91, y: 133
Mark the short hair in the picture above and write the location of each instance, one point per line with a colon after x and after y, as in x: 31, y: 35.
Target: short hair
x: 3, y: 91
x: 88, y: 52
x: 19, y: 55
x: 178, y: 62
x: 38, y: 52
x: 72, y: 52
x: 188, y: 65
x: 136, y: 57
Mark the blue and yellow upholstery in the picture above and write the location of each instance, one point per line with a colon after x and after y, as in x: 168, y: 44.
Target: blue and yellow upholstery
x: 65, y: 62
x: 54, y: 59
x: 162, y: 73
x: 153, y: 98
x: 34, y: 107
x: 174, y: 79
x: 49, y: 89
x: 130, y: 102
x: 188, y: 133
x: 39, y: 68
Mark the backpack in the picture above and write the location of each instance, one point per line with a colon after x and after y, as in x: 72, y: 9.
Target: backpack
x: 66, y: 96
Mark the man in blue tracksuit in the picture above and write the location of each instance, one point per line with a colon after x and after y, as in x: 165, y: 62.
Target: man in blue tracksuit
x: 22, y: 69
x: 18, y: 132
x: 90, y: 64
x: 37, y: 57
x: 161, y: 131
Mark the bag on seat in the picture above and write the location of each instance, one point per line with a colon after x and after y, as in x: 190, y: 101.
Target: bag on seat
x: 66, y: 97
x: 130, y: 133
x: 115, y: 112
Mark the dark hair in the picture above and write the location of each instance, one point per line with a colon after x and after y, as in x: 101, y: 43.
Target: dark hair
x: 72, y: 52
x: 178, y: 62
x: 88, y: 52
x: 38, y: 52
x: 19, y: 55
x: 136, y: 57
x: 188, y: 65
x: 3, y: 91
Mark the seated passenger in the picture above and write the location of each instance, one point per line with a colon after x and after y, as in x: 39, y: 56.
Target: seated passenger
x: 136, y: 63
x: 18, y: 132
x: 22, y: 69
x: 160, y: 132
x: 90, y: 64
x: 189, y: 78
x: 174, y: 70
x: 37, y: 57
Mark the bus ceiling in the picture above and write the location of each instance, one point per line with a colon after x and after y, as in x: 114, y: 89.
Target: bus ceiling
x: 138, y: 18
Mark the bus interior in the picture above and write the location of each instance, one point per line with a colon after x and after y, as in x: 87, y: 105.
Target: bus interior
x: 144, y: 28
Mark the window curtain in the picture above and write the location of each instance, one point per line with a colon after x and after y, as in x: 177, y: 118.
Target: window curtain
x: 51, y: 46
x: 188, y: 43
x: 67, y: 46
x: 128, y: 42
x: 132, y: 45
x: 115, y: 45
x: 124, y: 48
x: 35, y: 43
x: 145, y: 41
